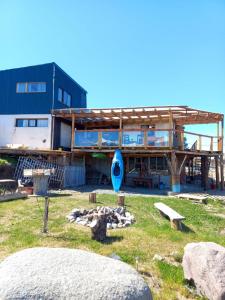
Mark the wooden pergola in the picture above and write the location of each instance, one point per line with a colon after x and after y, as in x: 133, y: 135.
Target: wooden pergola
x: 181, y: 115
x: 178, y: 115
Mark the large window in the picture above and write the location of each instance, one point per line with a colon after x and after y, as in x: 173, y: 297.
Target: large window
x: 31, y: 122
x: 31, y: 87
x: 21, y: 87
x: 64, y: 97
x: 60, y: 95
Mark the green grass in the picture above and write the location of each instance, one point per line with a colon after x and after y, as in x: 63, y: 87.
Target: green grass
x: 21, y: 224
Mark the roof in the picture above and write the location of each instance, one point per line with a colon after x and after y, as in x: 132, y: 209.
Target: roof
x: 149, y: 114
x: 51, y: 63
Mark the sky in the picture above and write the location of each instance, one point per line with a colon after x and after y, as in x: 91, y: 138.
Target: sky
x: 124, y: 52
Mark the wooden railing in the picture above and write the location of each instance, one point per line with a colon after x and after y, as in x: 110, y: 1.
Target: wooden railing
x: 146, y: 138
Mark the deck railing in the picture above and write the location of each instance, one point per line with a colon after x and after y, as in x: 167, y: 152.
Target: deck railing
x: 146, y: 138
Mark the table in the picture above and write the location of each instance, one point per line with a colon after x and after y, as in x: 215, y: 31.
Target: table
x: 7, y: 185
x: 143, y: 181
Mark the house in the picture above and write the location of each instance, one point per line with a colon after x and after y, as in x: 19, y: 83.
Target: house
x: 43, y: 113
x: 27, y: 97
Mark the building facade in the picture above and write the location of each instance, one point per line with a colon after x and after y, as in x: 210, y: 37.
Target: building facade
x: 43, y: 112
x: 27, y: 97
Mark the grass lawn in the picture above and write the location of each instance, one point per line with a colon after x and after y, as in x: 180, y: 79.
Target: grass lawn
x: 21, y: 223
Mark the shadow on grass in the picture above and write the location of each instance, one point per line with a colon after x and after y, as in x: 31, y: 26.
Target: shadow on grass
x: 57, y: 195
x: 111, y: 239
x: 187, y: 229
x: 60, y: 237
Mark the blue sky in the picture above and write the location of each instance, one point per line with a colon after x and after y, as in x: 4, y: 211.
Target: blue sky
x: 124, y: 52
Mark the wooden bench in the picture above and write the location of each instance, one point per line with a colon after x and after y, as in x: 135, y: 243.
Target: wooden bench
x: 202, y: 199
x: 175, y: 218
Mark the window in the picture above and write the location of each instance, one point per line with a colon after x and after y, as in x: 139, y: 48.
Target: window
x: 64, y: 97
x: 36, y: 87
x: 31, y: 87
x: 31, y: 122
x: 21, y: 123
x: 69, y: 100
x: 42, y: 123
x: 21, y: 87
x: 60, y: 95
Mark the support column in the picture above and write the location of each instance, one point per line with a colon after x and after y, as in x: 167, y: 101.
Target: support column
x: 171, y: 132
x: 221, y: 157
x: 120, y: 130
x: 176, y: 165
x: 72, y: 131
x: 217, y: 172
x: 205, y: 172
x: 221, y: 172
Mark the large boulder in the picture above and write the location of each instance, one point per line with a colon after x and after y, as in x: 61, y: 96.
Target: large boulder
x: 61, y: 273
x: 204, y: 264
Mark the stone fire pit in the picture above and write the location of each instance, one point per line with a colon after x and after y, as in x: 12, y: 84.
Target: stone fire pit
x: 116, y: 217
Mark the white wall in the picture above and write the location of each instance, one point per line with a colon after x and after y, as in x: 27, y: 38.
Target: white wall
x: 65, y: 135
x: 31, y: 137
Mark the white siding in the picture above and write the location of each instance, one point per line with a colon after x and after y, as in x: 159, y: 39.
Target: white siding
x: 27, y: 137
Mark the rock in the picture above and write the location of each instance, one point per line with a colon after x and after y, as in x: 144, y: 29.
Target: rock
x: 120, y: 210
x: 116, y: 215
x: 83, y: 222
x: 78, y: 220
x: 60, y: 273
x: 158, y: 257
x: 109, y: 226
x: 127, y: 214
x: 127, y: 223
x: 115, y: 256
x: 114, y: 225
x: 204, y: 264
x: 75, y: 212
x: 71, y: 218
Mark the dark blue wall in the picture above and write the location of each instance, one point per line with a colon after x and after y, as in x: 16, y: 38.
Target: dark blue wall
x: 37, y: 103
x: 65, y: 82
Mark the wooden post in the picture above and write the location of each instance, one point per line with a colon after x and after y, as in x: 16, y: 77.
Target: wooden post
x: 199, y: 143
x: 211, y: 144
x: 120, y: 200
x: 72, y: 131
x: 92, y: 197
x: 204, y: 171
x: 145, y: 139
x: 120, y: 131
x: 221, y: 157
x: 171, y: 130
x: 218, y: 136
x: 45, y: 218
x: 221, y: 172
x: 99, y: 139
x: 181, y: 139
x: 217, y: 172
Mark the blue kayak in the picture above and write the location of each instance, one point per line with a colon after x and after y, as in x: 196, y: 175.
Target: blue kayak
x: 117, y: 170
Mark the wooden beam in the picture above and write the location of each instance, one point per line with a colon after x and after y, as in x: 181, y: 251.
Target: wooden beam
x: 72, y: 131
x: 221, y: 172
x: 182, y: 164
x: 217, y: 171
x: 171, y: 132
